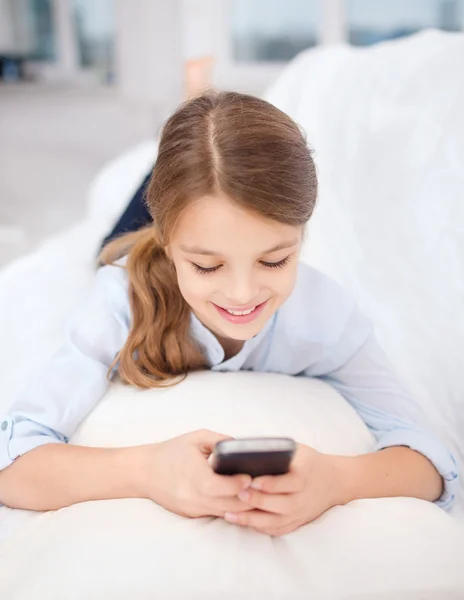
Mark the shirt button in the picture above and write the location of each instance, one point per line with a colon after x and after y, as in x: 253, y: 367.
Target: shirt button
x: 4, y: 425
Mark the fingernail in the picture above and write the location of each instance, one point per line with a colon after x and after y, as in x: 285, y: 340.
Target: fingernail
x: 256, y: 485
x: 231, y: 517
x: 244, y: 495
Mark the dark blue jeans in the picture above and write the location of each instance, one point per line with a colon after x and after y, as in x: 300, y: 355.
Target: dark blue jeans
x: 134, y: 217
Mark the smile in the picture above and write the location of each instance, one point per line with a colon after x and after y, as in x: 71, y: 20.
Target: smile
x: 240, y: 316
x: 240, y: 312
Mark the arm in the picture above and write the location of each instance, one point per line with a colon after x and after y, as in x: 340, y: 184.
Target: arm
x: 407, y: 459
x: 394, y: 471
x: 58, y: 399
x: 316, y: 482
x: 40, y: 471
x: 57, y: 475
x: 416, y: 463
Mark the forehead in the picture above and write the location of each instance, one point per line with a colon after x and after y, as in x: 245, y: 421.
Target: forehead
x: 219, y: 224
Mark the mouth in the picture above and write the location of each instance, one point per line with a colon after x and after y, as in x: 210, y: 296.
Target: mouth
x: 240, y: 316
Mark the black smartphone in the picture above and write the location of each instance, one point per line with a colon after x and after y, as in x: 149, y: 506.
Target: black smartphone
x: 253, y: 456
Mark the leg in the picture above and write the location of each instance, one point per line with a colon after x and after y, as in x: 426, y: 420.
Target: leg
x: 134, y: 217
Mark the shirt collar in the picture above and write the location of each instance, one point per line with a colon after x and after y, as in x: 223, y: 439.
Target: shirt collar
x: 214, y: 352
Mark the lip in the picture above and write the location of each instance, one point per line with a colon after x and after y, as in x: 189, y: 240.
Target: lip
x: 241, y: 319
x: 239, y: 308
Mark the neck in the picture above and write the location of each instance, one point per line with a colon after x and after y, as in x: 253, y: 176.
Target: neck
x: 231, y: 347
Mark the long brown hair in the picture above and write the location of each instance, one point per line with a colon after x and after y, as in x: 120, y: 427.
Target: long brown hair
x: 228, y: 143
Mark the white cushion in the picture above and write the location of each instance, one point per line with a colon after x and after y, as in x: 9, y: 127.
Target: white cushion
x: 389, y: 548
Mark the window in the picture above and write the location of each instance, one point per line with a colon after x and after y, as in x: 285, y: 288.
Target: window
x: 94, y: 30
x: 30, y: 28
x: 272, y: 30
x: 370, y: 22
x: 44, y: 33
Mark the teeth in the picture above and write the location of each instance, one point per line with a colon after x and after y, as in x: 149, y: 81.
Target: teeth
x: 239, y: 313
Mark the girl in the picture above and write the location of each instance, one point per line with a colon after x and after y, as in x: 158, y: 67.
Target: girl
x: 215, y: 283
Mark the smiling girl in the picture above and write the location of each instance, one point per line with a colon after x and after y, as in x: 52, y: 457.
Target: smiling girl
x: 215, y: 282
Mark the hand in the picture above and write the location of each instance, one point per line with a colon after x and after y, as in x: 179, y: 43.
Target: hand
x: 181, y: 480
x: 282, y: 503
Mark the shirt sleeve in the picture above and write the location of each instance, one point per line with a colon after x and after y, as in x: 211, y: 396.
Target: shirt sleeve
x: 360, y: 371
x: 58, y: 398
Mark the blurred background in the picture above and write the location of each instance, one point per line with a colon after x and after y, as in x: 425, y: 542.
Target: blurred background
x: 84, y: 80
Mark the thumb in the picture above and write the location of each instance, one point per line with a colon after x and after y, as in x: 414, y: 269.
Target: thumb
x: 205, y: 440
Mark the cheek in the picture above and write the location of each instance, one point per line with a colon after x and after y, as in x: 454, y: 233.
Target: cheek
x: 193, y: 286
x: 282, y: 283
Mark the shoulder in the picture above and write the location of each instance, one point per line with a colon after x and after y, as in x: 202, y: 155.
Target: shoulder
x: 114, y: 273
x: 318, y: 308
x: 112, y: 282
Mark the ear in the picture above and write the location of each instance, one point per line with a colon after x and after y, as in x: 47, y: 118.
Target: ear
x: 167, y: 251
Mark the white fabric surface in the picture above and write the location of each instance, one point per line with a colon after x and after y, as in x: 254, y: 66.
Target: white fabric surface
x: 389, y: 133
x: 136, y: 549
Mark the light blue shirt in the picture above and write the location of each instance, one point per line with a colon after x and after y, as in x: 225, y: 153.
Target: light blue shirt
x: 318, y: 332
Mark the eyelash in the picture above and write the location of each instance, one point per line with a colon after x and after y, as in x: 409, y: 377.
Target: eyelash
x: 268, y: 265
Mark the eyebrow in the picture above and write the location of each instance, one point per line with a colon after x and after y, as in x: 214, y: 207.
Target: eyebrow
x: 204, y: 252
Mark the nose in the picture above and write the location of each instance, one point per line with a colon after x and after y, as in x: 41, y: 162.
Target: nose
x: 242, y: 289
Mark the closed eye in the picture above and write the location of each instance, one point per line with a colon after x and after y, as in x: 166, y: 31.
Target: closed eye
x: 204, y: 270
x: 276, y: 265
x: 268, y: 265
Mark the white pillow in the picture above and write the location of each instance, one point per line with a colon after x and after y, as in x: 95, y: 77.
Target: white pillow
x: 395, y: 548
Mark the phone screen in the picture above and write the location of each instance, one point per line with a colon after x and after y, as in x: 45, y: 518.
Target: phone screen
x: 254, y: 456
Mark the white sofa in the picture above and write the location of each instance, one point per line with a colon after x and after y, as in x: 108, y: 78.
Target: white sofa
x: 388, y: 130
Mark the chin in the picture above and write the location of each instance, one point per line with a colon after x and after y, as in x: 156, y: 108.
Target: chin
x: 239, y: 337
x: 242, y: 333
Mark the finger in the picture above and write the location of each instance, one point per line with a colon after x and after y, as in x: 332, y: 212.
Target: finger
x: 280, y: 504
x: 289, y: 483
x: 280, y: 531
x: 206, y: 440
x: 261, y: 521
x: 220, y: 486
x: 221, y: 506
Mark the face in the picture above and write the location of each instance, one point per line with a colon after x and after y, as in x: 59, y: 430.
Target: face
x: 234, y: 268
